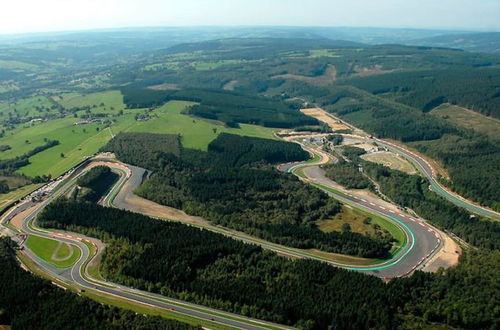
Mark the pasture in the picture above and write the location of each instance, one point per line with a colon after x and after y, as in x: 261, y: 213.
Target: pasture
x: 78, y: 142
x: 26, y: 107
x: 107, y: 102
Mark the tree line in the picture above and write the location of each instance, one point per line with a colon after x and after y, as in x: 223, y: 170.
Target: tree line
x: 29, y: 302
x: 231, y: 108
x: 94, y: 184
x: 412, y: 191
x: 211, y: 269
x: 234, y: 184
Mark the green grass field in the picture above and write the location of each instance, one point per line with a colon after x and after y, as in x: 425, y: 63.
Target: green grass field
x: 26, y: 137
x: 110, y: 99
x: 25, y: 107
x: 78, y: 142
x: 196, y: 133
x: 75, y: 147
x: 62, y: 256
x: 396, y: 232
x: 354, y: 218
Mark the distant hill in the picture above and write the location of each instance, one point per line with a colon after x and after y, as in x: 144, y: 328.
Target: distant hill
x: 486, y: 42
x: 281, y: 44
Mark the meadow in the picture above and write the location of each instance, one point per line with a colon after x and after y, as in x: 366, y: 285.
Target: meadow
x: 196, y: 133
x: 26, y: 107
x: 112, y: 101
x: 80, y: 141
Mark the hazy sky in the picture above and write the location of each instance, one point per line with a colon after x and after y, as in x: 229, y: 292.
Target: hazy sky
x: 18, y: 16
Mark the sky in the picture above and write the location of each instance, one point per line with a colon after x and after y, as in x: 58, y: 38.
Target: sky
x: 21, y: 16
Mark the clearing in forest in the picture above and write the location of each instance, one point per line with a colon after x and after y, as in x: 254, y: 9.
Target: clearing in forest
x: 328, y: 77
x: 323, y: 116
x: 469, y: 119
x: 390, y: 160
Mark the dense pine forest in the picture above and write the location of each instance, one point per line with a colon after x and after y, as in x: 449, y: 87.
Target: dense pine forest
x: 472, y: 88
x: 386, y: 90
x: 346, y: 171
x: 29, y: 302
x: 470, y: 158
x: 228, y: 107
x: 235, y: 185
x: 208, y: 268
x: 94, y: 184
x: 412, y: 191
x: 348, y: 175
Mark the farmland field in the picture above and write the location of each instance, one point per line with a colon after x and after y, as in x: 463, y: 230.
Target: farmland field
x: 77, y: 142
x: 25, y: 107
x: 112, y: 100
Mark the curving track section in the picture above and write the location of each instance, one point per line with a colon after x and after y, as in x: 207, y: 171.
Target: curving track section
x: 428, y: 171
x: 77, y: 274
x: 422, y: 242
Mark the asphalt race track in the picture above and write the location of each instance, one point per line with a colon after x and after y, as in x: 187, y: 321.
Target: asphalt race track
x: 422, y: 242
x: 76, y: 275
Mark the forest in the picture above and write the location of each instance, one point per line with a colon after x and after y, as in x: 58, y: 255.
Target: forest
x: 208, y: 268
x: 412, y: 191
x: 347, y: 175
x: 94, y: 184
x: 235, y: 185
x: 472, y: 161
x: 470, y: 158
x: 475, y: 89
x: 228, y: 107
x: 141, y: 148
x: 234, y: 108
x: 347, y: 172
x: 29, y: 302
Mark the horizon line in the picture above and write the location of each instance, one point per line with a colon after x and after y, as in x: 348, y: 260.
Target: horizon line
x: 104, y: 29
